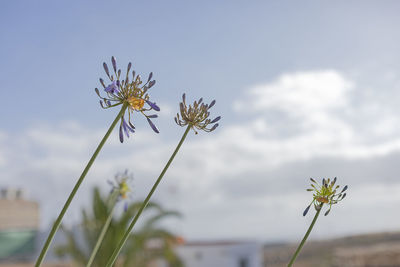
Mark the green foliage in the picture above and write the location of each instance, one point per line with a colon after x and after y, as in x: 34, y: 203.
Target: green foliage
x: 138, y: 250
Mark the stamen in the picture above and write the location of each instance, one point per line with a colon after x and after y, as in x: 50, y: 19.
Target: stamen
x: 322, y: 199
x: 136, y: 103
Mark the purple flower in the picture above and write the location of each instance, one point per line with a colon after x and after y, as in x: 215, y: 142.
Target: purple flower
x: 128, y: 90
x: 122, y: 187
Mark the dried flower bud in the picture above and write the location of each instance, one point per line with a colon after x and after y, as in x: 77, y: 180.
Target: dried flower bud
x: 196, y: 115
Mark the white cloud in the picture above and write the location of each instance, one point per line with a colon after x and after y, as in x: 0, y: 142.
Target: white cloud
x: 167, y: 110
x: 299, y: 94
x: 316, y: 115
x: 3, y: 160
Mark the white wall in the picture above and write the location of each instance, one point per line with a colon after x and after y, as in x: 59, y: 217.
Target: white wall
x: 221, y: 255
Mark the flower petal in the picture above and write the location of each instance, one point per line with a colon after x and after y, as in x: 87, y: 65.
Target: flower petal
x: 152, y: 126
x: 151, y: 83
x: 97, y: 92
x: 153, y: 105
x: 102, y: 83
x: 306, y: 210
x: 114, y: 63
x: 106, y: 69
x: 121, y: 135
x: 216, y: 119
x: 150, y: 76
x: 214, y: 127
x: 111, y: 88
x: 127, y: 128
x: 125, y: 206
x: 326, y: 213
x: 212, y: 104
x: 131, y: 125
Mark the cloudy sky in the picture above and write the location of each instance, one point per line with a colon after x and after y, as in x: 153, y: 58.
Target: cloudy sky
x: 306, y: 89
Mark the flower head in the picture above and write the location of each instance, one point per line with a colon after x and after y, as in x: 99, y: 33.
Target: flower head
x: 196, y: 115
x: 121, y: 187
x: 133, y: 93
x: 327, y: 193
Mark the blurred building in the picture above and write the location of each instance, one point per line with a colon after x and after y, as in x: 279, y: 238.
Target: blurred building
x: 19, y: 224
x: 20, y: 242
x: 19, y: 230
x: 221, y: 254
x: 217, y: 254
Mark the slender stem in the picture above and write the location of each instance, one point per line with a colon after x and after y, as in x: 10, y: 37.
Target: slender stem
x: 57, y: 223
x: 102, y: 234
x: 305, y: 237
x: 145, y: 202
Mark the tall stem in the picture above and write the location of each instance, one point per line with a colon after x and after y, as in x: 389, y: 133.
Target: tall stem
x: 102, y: 234
x: 305, y: 237
x: 145, y: 202
x: 57, y: 223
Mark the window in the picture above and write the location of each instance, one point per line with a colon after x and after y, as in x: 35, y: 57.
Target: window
x: 243, y: 262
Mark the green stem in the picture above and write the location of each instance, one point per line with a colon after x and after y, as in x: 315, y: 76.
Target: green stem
x: 305, y: 237
x: 102, y: 234
x: 57, y: 223
x: 145, y: 202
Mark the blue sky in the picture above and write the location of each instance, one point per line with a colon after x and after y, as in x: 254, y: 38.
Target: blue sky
x: 52, y: 51
x: 304, y: 88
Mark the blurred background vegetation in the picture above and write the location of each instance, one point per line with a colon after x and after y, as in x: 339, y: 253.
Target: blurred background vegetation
x: 148, y: 243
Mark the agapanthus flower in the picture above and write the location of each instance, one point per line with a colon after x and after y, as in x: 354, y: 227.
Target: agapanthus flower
x: 121, y: 187
x: 327, y: 193
x: 196, y: 115
x: 133, y: 93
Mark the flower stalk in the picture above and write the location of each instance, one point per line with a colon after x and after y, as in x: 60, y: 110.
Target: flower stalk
x: 57, y: 223
x: 146, y: 201
x: 113, y: 198
x: 305, y: 237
